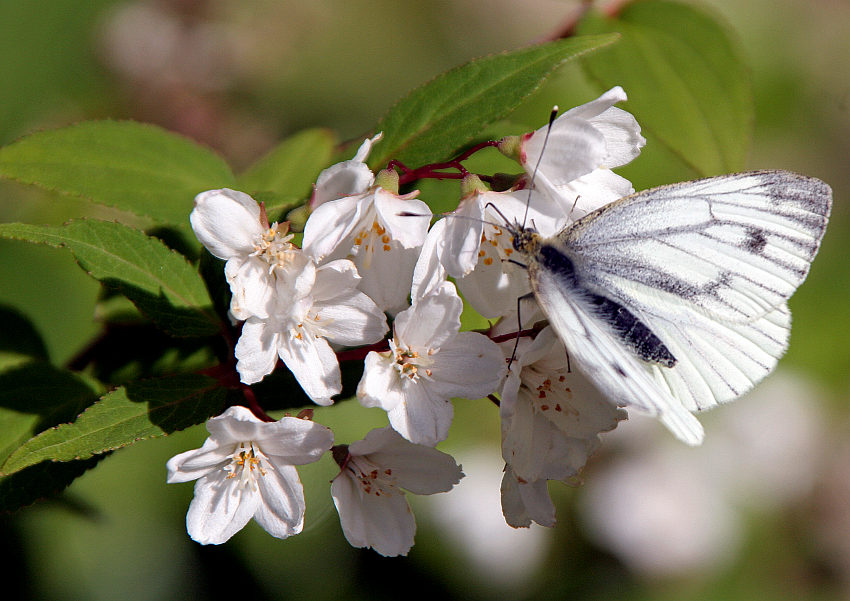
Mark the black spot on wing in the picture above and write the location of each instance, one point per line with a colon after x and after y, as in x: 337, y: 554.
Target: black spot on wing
x: 755, y: 240
x: 619, y: 369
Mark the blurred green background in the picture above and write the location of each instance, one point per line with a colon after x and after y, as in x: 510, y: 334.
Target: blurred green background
x: 762, y: 512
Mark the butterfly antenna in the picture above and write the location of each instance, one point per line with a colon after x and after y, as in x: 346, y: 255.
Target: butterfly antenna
x: 508, y: 224
x: 449, y: 214
x: 552, y: 116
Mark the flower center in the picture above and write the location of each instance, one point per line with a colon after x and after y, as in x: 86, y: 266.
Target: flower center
x: 411, y: 363
x: 496, y: 245
x: 247, y: 463
x: 311, y: 323
x: 373, y: 479
x: 274, y: 246
x: 549, y: 391
x: 368, y: 241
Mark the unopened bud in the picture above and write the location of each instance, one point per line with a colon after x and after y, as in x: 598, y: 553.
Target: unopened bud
x: 501, y: 182
x: 471, y: 184
x: 340, y: 454
x: 388, y: 180
x: 511, y: 147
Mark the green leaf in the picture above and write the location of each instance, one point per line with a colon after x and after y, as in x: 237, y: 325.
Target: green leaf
x: 19, y: 340
x: 36, y: 396
x: 436, y: 119
x: 137, y: 411
x: 39, y: 481
x: 687, y: 85
x: 159, y: 281
x: 132, y: 166
x: 152, y: 353
x: 285, y: 175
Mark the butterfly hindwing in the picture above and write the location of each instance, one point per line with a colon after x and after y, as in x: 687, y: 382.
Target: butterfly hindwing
x: 719, y: 361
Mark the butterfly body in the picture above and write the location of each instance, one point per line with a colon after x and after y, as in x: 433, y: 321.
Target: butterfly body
x: 673, y: 300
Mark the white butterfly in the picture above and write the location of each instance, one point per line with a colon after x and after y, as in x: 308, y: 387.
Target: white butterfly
x: 673, y: 299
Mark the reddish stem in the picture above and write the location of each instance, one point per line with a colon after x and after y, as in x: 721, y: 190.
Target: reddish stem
x: 253, y: 405
x: 533, y: 331
x: 358, y: 354
x: 432, y: 171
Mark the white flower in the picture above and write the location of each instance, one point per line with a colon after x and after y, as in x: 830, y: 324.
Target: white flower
x: 245, y: 470
x: 368, y: 495
x: 312, y: 307
x: 232, y: 227
x: 524, y: 502
x: 345, y: 178
x: 368, y: 226
x: 584, y: 144
x: 551, y: 421
x: 428, y: 363
x: 476, y: 249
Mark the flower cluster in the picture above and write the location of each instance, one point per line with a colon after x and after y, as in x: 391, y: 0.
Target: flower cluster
x: 367, y: 255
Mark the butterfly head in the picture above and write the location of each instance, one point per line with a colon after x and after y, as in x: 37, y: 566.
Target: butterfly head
x: 526, y: 240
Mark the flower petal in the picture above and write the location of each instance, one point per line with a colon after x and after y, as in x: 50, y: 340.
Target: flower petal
x: 429, y: 273
x: 343, y: 179
x: 332, y: 225
x: 463, y: 231
x: 281, y: 512
x: 295, y: 441
x: 333, y: 278
x: 194, y: 464
x: 380, y: 385
x: 432, y: 321
x: 592, y: 191
x: 493, y: 289
x: 526, y: 207
x: 251, y: 287
x: 220, y: 508
x: 352, y: 319
x: 574, y: 148
x: 387, y: 275
x: 622, y: 136
x: 237, y: 424
x: 524, y: 502
x: 420, y: 469
x: 256, y: 351
x: 533, y: 447
x: 470, y: 366
x: 366, y: 147
x: 314, y: 364
x: 227, y: 222
x: 408, y: 230
x: 423, y: 416
x: 383, y: 523
x: 596, y: 107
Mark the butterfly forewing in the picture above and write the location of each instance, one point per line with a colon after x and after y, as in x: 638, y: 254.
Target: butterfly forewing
x: 603, y: 358
x: 734, y: 246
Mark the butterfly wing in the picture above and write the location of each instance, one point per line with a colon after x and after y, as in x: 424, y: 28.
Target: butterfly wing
x: 734, y: 247
x: 597, y: 352
x: 718, y: 361
x: 708, y: 267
